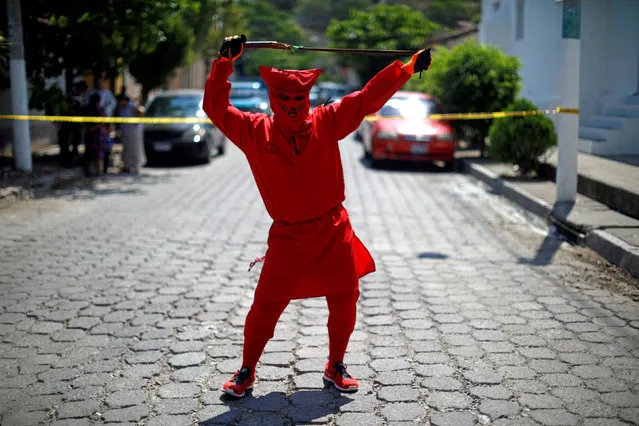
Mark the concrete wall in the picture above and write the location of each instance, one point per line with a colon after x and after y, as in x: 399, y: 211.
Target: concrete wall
x: 610, y: 53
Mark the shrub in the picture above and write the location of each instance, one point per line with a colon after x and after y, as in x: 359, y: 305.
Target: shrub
x: 521, y: 140
x: 471, y: 78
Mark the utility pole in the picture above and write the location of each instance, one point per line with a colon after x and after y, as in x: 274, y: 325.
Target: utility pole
x: 18, y: 76
x: 568, y: 89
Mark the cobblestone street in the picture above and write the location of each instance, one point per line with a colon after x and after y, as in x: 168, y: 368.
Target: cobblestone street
x: 124, y: 303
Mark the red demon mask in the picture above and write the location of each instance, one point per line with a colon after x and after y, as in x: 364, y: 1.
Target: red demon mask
x: 289, y: 96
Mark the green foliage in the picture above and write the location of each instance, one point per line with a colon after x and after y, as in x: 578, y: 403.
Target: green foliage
x: 448, y: 12
x: 471, y: 78
x: 79, y: 36
x: 265, y: 22
x: 444, y: 12
x: 521, y: 140
x: 316, y: 15
x: 381, y: 27
x: 153, y: 69
x: 50, y: 99
x: 4, y: 53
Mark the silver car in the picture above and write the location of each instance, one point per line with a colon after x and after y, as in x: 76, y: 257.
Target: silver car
x: 180, y: 141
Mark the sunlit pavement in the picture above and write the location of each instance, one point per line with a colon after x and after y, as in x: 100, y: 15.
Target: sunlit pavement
x: 125, y: 301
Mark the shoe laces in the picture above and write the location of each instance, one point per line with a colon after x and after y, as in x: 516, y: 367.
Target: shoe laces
x: 341, y: 369
x: 242, y: 375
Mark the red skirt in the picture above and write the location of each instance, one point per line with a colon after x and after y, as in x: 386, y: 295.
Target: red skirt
x: 316, y: 258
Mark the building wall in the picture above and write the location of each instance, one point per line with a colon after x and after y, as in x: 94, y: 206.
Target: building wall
x: 610, y: 53
x: 537, y: 49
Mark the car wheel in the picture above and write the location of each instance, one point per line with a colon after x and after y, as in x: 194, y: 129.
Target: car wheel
x: 221, y: 149
x: 206, y: 155
x: 449, y: 165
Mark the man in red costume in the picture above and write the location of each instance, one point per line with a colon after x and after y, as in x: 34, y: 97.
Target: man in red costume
x: 295, y: 160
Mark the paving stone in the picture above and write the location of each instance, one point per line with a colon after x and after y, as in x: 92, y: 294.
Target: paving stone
x: 443, y: 401
x: 348, y: 419
x: 168, y: 420
x: 483, y: 377
x: 126, y: 398
x: 179, y: 390
x: 308, y: 381
x: 554, y: 417
x: 188, y: 359
x: 592, y: 372
x: 398, y: 394
x: 262, y: 419
x: 441, y: 383
x: 130, y: 414
x: 400, y: 411
x: 592, y: 409
x: 77, y: 409
x: 301, y: 414
x: 492, y: 392
x: 400, y: 377
x: 621, y: 399
x: 176, y: 406
x: 496, y: 409
x: 561, y: 380
x: 434, y: 370
x: 142, y: 370
x: 540, y: 401
x: 389, y: 364
x: 459, y: 418
x: 23, y: 418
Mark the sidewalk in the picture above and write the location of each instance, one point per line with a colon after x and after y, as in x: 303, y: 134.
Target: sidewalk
x: 604, y: 229
x: 46, y: 173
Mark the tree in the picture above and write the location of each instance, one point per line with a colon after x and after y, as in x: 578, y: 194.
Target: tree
x: 77, y: 36
x: 265, y: 22
x: 4, y: 54
x: 153, y: 69
x: 471, y: 78
x: 316, y: 15
x: 382, y: 27
x: 445, y: 12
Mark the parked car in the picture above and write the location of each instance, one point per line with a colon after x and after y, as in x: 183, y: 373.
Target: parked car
x: 186, y: 141
x: 401, y: 130
x: 250, y: 96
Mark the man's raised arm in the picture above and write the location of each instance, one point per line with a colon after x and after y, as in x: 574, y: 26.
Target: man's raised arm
x: 233, y: 123
x: 351, y: 110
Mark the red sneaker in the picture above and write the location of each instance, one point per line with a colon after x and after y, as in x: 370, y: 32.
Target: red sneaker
x: 337, y: 375
x: 241, y: 381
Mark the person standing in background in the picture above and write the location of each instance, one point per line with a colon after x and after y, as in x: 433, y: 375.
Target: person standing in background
x: 133, y: 157
x: 94, y: 138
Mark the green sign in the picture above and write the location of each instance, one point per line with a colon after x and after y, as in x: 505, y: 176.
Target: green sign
x: 571, y: 19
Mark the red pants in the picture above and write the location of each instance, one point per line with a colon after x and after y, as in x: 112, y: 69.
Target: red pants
x: 263, y: 316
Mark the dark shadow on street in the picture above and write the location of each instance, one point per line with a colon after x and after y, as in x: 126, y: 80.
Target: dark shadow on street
x: 406, y: 166
x: 546, y: 251
x: 555, y: 237
x: 432, y: 255
x: 305, y: 406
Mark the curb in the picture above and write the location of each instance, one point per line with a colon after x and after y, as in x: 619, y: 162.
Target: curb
x: 611, y: 248
x: 13, y: 194
x: 38, y: 186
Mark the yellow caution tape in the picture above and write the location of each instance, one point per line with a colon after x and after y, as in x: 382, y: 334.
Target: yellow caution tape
x: 198, y: 120
x: 486, y: 115
x: 122, y: 120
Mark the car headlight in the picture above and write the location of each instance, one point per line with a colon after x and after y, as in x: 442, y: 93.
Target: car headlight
x: 446, y: 137
x: 387, y: 135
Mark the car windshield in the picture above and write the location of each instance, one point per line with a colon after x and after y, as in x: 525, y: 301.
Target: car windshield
x: 175, y: 106
x: 412, y: 108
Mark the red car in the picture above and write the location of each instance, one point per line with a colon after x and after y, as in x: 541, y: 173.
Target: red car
x: 401, y: 130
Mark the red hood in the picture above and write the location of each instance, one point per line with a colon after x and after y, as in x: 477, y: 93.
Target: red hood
x: 412, y: 127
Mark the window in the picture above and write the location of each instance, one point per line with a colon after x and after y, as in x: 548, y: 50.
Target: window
x: 519, y: 24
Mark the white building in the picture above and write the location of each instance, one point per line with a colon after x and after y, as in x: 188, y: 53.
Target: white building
x: 576, y: 53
